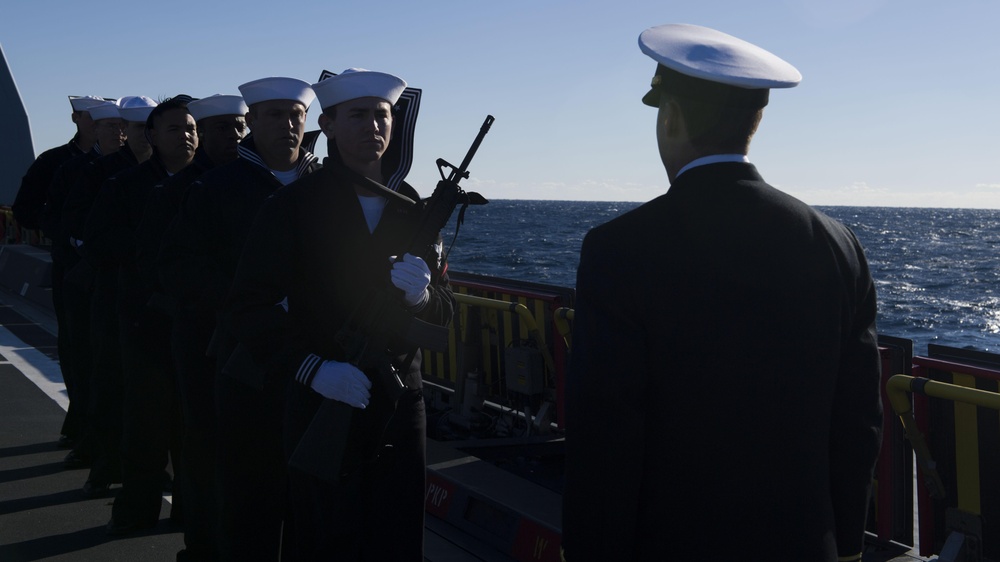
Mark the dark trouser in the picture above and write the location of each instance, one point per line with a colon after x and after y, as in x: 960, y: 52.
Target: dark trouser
x: 105, y: 409
x: 376, y: 513
x: 196, y: 479
x: 76, y: 297
x: 74, y: 423
x: 251, y: 470
x: 150, y: 418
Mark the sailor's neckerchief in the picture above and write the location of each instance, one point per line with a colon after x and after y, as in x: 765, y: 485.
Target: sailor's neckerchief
x: 248, y: 151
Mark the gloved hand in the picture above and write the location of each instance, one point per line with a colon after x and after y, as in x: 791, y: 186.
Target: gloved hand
x: 343, y: 382
x: 412, y: 275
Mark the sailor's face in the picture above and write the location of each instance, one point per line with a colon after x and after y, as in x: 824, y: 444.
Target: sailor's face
x: 278, y: 126
x: 175, y: 135
x: 362, y: 129
x: 221, y: 136
x: 84, y: 122
x: 110, y: 133
x: 135, y: 133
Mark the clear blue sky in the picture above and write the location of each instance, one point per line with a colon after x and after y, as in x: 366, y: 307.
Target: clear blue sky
x: 898, y: 105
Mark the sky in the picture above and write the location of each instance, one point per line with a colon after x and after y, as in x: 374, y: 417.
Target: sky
x: 898, y: 105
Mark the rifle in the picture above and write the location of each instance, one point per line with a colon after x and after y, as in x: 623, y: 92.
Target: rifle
x: 378, y: 318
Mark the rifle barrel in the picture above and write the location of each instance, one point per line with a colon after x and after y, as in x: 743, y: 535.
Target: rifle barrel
x: 462, y: 170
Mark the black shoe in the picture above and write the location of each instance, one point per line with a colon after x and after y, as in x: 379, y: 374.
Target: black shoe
x: 117, y: 528
x: 66, y: 442
x: 76, y: 460
x: 93, y: 489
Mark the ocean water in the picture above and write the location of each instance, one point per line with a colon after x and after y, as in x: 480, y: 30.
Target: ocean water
x: 937, y: 271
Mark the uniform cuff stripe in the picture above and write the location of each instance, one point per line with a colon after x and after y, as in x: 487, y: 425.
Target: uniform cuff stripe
x: 308, y: 368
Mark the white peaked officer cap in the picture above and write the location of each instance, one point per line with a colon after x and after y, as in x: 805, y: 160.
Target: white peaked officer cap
x: 106, y: 110
x: 356, y: 83
x: 83, y: 103
x: 277, y: 88
x: 699, y: 62
x: 136, y: 108
x: 215, y: 105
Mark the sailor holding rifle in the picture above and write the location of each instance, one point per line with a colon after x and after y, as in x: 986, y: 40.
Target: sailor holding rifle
x: 320, y: 248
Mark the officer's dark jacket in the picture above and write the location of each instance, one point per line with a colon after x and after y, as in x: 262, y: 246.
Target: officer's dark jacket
x: 723, y: 398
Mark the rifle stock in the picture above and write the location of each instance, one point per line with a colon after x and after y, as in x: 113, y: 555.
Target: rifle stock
x: 322, y: 448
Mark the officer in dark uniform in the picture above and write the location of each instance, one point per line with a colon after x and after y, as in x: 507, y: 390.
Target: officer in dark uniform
x: 75, y: 330
x: 197, y: 263
x: 29, y: 211
x: 723, y: 395
x: 105, y: 409
x: 318, y: 250
x: 221, y: 126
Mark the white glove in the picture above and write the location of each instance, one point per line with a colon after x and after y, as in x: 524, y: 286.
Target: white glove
x: 343, y: 382
x: 412, y: 275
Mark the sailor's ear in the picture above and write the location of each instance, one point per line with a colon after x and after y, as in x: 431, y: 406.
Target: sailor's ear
x: 326, y: 125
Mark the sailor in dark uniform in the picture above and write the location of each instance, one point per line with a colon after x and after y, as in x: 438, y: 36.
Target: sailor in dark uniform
x: 136, y: 150
x: 76, y: 279
x: 723, y: 396
x: 29, y: 203
x: 221, y: 126
x: 318, y: 249
x: 150, y: 415
x: 29, y: 211
x: 197, y: 263
x: 104, y: 413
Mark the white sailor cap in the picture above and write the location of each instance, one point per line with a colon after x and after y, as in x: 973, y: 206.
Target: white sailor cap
x: 83, y: 103
x: 136, y: 108
x: 277, y: 88
x: 702, y: 63
x: 356, y: 83
x: 105, y: 110
x: 217, y: 104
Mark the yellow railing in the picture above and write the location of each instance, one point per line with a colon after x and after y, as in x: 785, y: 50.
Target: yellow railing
x: 562, y: 318
x: 522, y: 313
x: 898, y: 389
